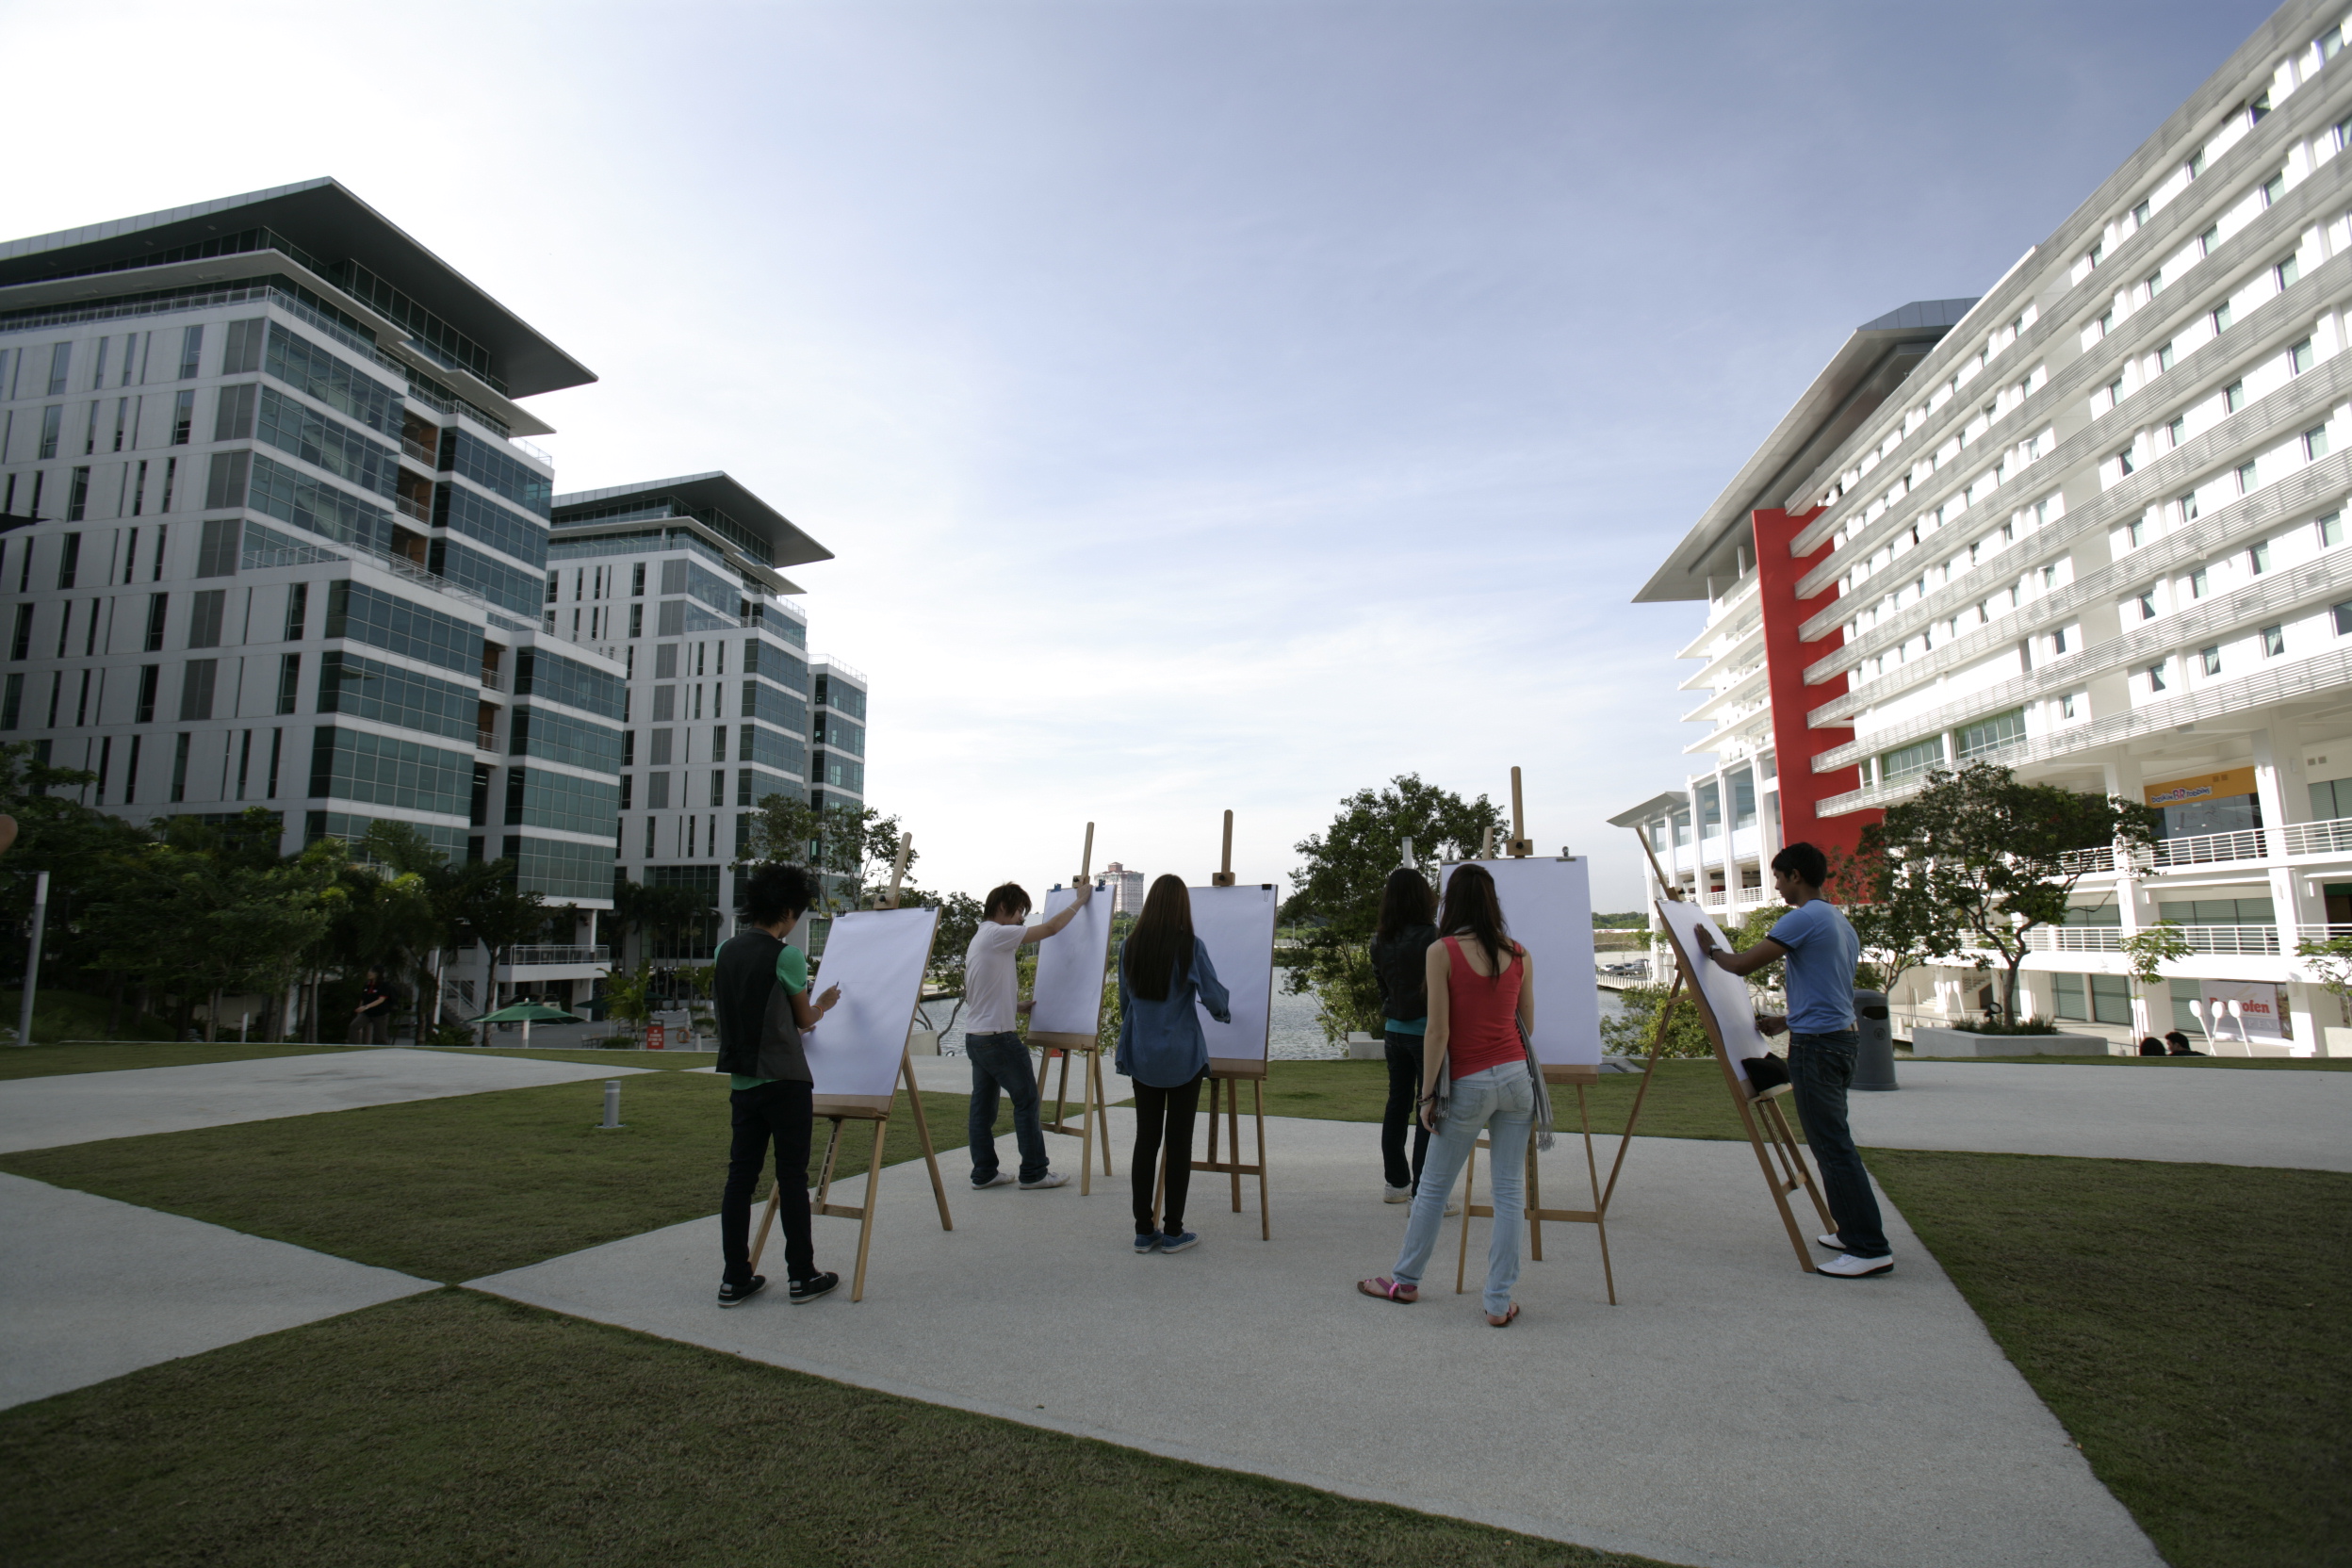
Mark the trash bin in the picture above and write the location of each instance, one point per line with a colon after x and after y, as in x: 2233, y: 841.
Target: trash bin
x: 1875, y: 1067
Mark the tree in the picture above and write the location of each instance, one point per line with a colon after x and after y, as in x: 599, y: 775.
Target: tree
x: 1898, y: 932
x: 448, y: 890
x: 2331, y: 960
x: 498, y: 915
x: 1979, y: 854
x: 2146, y: 952
x: 1336, y: 894
x: 853, y: 847
x: 1634, y: 1029
x: 959, y: 922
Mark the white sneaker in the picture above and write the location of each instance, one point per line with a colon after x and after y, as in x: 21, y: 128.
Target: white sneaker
x: 1396, y: 1194
x: 1845, y: 1266
x: 1002, y: 1178
x: 1051, y: 1179
x: 1453, y: 1207
x: 1829, y: 1239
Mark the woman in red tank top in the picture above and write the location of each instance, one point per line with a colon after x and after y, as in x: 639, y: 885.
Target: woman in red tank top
x: 1481, y: 996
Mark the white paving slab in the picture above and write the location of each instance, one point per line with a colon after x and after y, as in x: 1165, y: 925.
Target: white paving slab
x: 90, y: 1288
x: 2282, y: 1116
x: 953, y: 1075
x: 43, y: 1113
x: 1733, y: 1410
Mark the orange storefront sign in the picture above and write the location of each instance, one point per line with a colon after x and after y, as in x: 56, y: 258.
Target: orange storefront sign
x: 2205, y: 785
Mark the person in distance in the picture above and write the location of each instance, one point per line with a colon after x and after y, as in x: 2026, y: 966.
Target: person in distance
x: 2151, y: 1046
x: 1481, y: 1001
x: 1162, y: 970
x: 2180, y: 1044
x: 1000, y: 1058
x: 1821, y: 950
x: 760, y: 989
x: 1401, y: 951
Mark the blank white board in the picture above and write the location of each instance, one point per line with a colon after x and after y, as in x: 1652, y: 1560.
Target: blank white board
x: 877, y: 957
x: 1071, y: 966
x: 1236, y: 925
x: 1547, y: 907
x: 1725, y: 993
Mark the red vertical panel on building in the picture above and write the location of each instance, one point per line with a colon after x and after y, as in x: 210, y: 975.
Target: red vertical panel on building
x: 1785, y: 655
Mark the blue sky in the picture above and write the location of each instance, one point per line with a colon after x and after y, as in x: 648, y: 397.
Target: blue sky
x: 1209, y: 405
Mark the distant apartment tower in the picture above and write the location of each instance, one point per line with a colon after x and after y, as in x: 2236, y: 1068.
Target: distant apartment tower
x: 1126, y: 889
x: 274, y: 539
x: 2091, y: 527
x: 677, y: 581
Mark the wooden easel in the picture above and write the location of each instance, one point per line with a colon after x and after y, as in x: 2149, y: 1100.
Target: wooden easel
x: 1229, y: 1073
x: 1759, y: 1113
x: 1093, y: 1100
x: 842, y: 1108
x: 1568, y: 1073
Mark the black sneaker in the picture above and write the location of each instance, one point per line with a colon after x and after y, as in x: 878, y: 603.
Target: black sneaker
x: 735, y: 1295
x: 807, y: 1290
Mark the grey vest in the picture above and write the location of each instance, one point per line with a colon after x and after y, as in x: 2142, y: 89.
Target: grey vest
x: 780, y: 1056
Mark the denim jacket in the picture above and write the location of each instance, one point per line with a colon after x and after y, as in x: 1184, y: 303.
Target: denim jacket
x: 1160, y: 1043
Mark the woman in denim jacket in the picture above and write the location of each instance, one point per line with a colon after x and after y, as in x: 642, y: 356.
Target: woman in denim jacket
x: 1164, y: 971
x: 1481, y: 997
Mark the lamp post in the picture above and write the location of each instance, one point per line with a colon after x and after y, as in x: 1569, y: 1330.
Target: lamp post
x: 32, y: 960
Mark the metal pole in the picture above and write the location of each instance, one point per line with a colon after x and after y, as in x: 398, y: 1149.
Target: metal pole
x: 32, y: 960
x: 611, y: 1104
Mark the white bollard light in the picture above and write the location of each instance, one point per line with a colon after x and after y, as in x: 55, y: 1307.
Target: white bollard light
x: 611, y: 1105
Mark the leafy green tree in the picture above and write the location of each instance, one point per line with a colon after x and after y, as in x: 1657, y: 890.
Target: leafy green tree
x: 1979, y: 857
x: 1336, y: 892
x: 1633, y: 1030
x: 852, y: 847
x: 959, y: 922
x: 2331, y: 960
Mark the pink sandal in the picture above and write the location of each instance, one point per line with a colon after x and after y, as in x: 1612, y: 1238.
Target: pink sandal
x: 1387, y: 1289
x: 1506, y: 1320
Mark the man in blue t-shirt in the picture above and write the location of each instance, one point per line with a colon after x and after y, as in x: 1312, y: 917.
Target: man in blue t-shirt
x: 1822, y: 951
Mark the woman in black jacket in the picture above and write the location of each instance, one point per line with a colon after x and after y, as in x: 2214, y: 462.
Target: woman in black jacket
x: 1400, y: 949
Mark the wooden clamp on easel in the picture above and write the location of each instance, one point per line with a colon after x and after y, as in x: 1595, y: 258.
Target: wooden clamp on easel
x: 1226, y: 1076
x: 1759, y: 1113
x: 1094, y: 1108
x: 842, y: 1108
x: 1574, y: 1075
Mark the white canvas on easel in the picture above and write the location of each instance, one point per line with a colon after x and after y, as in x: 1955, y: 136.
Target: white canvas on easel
x: 1236, y: 925
x: 1727, y: 997
x: 1547, y: 908
x: 1072, y: 965
x: 876, y: 957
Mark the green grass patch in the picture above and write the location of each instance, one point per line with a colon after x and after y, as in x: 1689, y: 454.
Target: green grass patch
x: 1687, y: 1099
x: 455, y: 1188
x: 2182, y: 1320
x: 452, y: 1428
x: 48, y: 1061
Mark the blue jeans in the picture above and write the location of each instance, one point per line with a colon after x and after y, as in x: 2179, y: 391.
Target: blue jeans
x: 1002, y: 1062
x: 1500, y: 1103
x: 1819, y: 1068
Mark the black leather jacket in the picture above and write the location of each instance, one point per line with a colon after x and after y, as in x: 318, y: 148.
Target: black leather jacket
x: 1397, y: 963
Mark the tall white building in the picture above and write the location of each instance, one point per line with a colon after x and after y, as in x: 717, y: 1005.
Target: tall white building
x: 678, y: 579
x: 2090, y: 526
x: 274, y: 538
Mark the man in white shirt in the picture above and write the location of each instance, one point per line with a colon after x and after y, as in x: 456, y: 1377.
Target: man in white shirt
x: 1000, y: 1061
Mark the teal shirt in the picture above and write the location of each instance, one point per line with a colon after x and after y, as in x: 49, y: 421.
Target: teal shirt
x: 791, y: 973
x: 1406, y: 1026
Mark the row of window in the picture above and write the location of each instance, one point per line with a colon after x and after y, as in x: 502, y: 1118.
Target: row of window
x: 751, y: 788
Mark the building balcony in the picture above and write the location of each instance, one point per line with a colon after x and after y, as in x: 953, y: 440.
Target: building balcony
x: 559, y: 953
x: 2245, y: 941
x: 425, y: 453
x: 2331, y: 838
x: 486, y: 739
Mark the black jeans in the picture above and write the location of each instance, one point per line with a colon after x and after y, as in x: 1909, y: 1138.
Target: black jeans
x: 1171, y: 1110
x: 1404, y: 1094
x: 1819, y: 1068
x: 780, y: 1111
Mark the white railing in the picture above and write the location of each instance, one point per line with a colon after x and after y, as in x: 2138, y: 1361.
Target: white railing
x: 2101, y: 859
x: 2075, y: 938
x: 2199, y: 849
x: 2333, y: 837
x: 2322, y: 932
x: 1715, y: 900
x: 2228, y: 941
x: 546, y: 953
x: 486, y: 739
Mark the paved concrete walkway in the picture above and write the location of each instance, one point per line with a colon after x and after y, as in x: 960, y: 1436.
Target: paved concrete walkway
x: 953, y: 1075
x: 90, y: 1288
x: 2231, y: 1115
x: 1732, y: 1409
x: 44, y: 1113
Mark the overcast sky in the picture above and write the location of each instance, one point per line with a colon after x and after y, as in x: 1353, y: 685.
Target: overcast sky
x: 1208, y: 405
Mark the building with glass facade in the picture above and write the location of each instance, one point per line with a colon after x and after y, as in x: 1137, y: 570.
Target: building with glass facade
x: 677, y: 582
x: 2091, y: 527
x: 274, y: 538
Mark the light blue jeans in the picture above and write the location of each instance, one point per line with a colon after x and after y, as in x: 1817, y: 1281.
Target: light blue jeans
x: 1500, y: 1103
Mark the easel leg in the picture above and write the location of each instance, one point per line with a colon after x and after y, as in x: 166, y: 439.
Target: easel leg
x: 1061, y: 1095
x: 1232, y: 1128
x: 1657, y: 1044
x: 922, y: 1133
x: 1600, y: 1214
x: 865, y: 1222
x: 1469, y: 1195
x: 1265, y: 1216
x: 825, y: 1171
x: 1085, y: 1132
x: 1771, y: 1178
x: 1102, y: 1104
x: 1805, y: 1172
x: 1535, y: 1195
x: 767, y: 1220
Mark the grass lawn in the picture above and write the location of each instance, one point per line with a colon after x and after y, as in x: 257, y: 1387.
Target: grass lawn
x: 1686, y: 1099
x: 455, y: 1188
x: 452, y: 1428
x: 2182, y: 1320
x: 45, y: 1061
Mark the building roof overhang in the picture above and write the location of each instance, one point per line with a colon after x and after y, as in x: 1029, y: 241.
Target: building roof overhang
x: 325, y: 219
x: 1657, y: 806
x: 719, y: 490
x: 1865, y: 368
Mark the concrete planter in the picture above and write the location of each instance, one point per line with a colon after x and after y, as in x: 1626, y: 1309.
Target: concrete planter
x: 923, y: 1043
x: 2335, y: 1040
x: 1959, y: 1042
x: 1367, y: 1048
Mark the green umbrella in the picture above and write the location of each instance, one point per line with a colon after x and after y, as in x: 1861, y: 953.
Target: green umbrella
x: 526, y: 1013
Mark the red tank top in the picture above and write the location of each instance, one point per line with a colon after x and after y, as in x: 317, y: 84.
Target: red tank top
x: 1481, y: 1013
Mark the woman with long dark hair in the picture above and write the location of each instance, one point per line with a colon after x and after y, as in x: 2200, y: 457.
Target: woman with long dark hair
x: 1401, y: 949
x: 1164, y: 971
x: 1475, y: 1078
